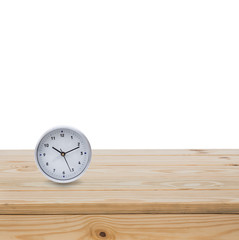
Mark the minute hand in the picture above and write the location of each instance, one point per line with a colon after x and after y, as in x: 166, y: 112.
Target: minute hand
x: 72, y: 150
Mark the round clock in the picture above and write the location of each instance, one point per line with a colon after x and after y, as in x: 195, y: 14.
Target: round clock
x: 63, y: 154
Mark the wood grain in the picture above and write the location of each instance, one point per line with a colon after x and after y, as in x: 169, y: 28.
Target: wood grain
x: 125, y: 181
x: 123, y: 227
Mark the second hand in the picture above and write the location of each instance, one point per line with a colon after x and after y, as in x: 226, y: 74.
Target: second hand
x: 63, y: 155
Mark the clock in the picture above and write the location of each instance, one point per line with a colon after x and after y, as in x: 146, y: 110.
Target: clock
x: 63, y: 154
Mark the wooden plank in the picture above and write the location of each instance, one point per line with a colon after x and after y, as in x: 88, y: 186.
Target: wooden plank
x: 123, y: 227
x: 144, y: 178
x: 141, y: 152
x: 154, y: 160
x: 167, y: 152
x: 114, y: 183
x: 101, y: 158
x: 114, y: 202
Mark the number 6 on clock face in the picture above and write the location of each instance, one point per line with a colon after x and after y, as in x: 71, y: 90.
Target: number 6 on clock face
x: 63, y: 154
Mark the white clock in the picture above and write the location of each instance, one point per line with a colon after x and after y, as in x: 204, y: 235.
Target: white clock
x: 63, y: 154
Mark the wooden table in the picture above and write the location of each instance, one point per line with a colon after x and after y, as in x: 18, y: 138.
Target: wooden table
x: 126, y: 195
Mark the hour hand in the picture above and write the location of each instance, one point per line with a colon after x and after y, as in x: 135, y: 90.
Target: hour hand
x: 56, y: 150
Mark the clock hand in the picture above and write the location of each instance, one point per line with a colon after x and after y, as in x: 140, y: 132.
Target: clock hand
x: 57, y: 150
x: 67, y: 163
x: 72, y: 150
x: 63, y: 155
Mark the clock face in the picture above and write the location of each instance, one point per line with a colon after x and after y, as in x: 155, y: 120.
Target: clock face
x: 63, y: 154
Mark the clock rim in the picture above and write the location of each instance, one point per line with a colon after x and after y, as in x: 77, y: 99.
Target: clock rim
x: 81, y: 173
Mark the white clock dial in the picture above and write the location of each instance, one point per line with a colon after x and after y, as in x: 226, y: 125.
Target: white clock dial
x: 63, y: 154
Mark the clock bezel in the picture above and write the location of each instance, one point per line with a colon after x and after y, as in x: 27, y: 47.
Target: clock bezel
x: 63, y: 180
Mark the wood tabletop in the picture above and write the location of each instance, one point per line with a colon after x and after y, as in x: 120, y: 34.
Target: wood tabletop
x: 125, y: 181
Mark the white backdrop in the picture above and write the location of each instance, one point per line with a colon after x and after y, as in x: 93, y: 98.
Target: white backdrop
x: 129, y: 74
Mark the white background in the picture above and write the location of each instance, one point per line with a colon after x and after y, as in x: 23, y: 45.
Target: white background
x: 129, y: 74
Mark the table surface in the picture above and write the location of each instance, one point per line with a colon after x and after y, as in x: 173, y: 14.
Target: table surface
x: 125, y: 181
